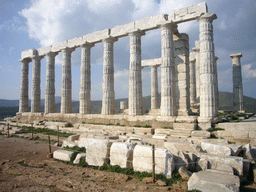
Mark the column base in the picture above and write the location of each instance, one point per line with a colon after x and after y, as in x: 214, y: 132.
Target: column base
x: 204, y: 123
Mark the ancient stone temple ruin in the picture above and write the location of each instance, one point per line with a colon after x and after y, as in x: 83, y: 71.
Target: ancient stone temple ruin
x: 188, y: 80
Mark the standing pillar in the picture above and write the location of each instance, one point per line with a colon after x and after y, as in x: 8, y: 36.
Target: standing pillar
x: 167, y: 71
x: 181, y: 54
x: 207, y: 76
x: 192, y: 61
x: 50, y: 83
x: 154, y: 88
x: 237, y: 83
x: 36, y: 80
x: 85, y: 80
x: 197, y: 52
x: 66, y: 86
x: 135, y: 82
x: 108, y: 100
x: 23, y: 105
x: 217, y: 83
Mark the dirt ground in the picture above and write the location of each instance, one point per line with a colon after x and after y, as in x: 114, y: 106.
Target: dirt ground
x: 37, y: 172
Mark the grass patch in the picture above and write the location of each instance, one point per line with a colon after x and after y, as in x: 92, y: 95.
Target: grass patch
x: 145, y: 126
x: 168, y: 127
x: 75, y: 148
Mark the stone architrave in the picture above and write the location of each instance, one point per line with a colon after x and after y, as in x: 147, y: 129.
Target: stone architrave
x: 36, y: 80
x: 237, y: 83
x: 135, y: 82
x: 85, y: 79
x: 108, y: 99
x: 192, y: 61
x: 207, y: 76
x: 50, y: 83
x: 66, y: 86
x: 181, y: 55
x: 197, y: 52
x: 23, y: 105
x: 154, y: 87
x: 167, y: 71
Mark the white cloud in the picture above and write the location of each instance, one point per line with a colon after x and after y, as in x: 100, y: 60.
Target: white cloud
x: 248, y: 72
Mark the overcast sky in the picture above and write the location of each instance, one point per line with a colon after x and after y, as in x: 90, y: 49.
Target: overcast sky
x: 27, y: 24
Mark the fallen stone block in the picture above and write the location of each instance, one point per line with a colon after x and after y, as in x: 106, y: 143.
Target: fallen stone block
x: 62, y: 155
x: 219, y: 167
x: 142, y: 160
x: 236, y: 150
x: 73, y: 137
x: 122, y: 154
x: 201, y: 134
x: 250, y: 153
x: 184, y: 173
x: 176, y: 146
x: 210, y: 181
x: 202, y: 164
x: 97, y: 152
x: 67, y: 143
x: 79, y: 157
x: 218, y: 149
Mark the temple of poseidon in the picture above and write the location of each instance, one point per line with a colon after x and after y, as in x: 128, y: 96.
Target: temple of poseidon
x: 189, y: 81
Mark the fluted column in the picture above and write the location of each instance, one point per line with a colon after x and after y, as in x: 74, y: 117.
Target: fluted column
x: 108, y: 99
x: 237, y: 83
x: 135, y: 82
x: 167, y: 72
x: 50, y: 83
x: 217, y: 84
x: 23, y: 105
x: 197, y: 52
x: 85, y: 79
x: 192, y: 61
x: 207, y: 61
x: 66, y: 86
x: 36, y: 80
x: 154, y: 88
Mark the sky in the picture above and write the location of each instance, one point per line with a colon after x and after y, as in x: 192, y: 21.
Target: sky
x: 26, y: 24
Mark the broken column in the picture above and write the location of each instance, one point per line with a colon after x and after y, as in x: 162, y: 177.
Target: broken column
x: 36, y: 90
x: 135, y: 82
x: 167, y: 71
x: 207, y: 76
x: 23, y: 105
x: 237, y: 83
x: 192, y: 73
x: 154, y: 87
x: 85, y: 79
x: 50, y: 83
x: 66, y: 85
x: 108, y: 100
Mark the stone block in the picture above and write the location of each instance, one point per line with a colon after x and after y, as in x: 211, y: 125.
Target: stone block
x: 59, y: 46
x: 184, y: 173
x: 28, y: 53
x: 44, y: 50
x: 122, y: 154
x: 250, y: 153
x: 236, y: 150
x: 122, y: 30
x: 68, y: 143
x: 97, y: 36
x: 210, y: 181
x: 79, y: 157
x: 201, y: 134
x: 151, y: 22
x: 174, y: 147
x: 72, y: 43
x: 142, y: 160
x: 62, y: 155
x: 202, y: 164
x: 97, y: 152
x: 217, y: 149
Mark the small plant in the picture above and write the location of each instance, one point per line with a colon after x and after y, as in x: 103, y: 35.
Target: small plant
x: 75, y: 148
x: 83, y: 122
x: 168, y: 127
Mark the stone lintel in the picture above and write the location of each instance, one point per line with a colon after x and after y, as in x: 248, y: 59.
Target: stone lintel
x: 96, y: 37
x: 44, y: 50
x: 28, y: 53
x: 151, y: 62
x: 236, y: 55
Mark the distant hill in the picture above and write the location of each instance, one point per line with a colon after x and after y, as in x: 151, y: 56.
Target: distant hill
x: 10, y: 107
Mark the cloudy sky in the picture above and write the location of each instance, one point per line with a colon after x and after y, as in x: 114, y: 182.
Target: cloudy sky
x: 27, y: 24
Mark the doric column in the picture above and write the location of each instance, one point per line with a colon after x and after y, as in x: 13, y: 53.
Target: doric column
x: 50, y: 83
x: 167, y: 72
x: 23, y: 105
x: 85, y: 79
x: 36, y: 80
x: 181, y: 55
x: 207, y: 76
x: 66, y: 86
x: 237, y: 83
x: 108, y: 99
x: 135, y: 82
x: 154, y: 87
x: 197, y: 52
x: 192, y: 61
x: 217, y: 84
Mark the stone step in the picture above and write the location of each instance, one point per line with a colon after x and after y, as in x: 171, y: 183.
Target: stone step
x: 155, y: 112
x: 190, y: 126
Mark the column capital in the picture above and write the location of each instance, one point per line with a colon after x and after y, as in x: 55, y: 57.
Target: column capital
x: 192, y: 57
x: 87, y: 44
x: 25, y: 60
x: 68, y: 49
x: 239, y: 55
x: 110, y: 39
x: 53, y: 54
x: 207, y: 17
x: 36, y: 57
x: 137, y: 33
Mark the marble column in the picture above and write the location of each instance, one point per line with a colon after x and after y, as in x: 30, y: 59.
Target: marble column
x: 23, y: 105
x: 197, y: 52
x: 85, y: 79
x: 181, y: 55
x: 50, y: 83
x: 237, y: 83
x: 167, y: 71
x: 192, y: 61
x: 36, y: 89
x: 66, y: 86
x: 154, y: 88
x: 108, y: 92
x: 207, y: 76
x: 217, y: 84
x: 135, y: 81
